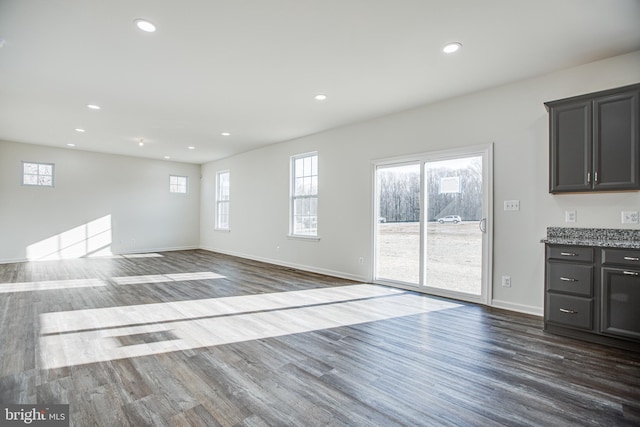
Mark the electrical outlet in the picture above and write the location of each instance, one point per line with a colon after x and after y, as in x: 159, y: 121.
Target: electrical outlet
x: 506, y: 281
x: 629, y: 217
x: 361, y: 260
x: 512, y: 205
x: 570, y: 216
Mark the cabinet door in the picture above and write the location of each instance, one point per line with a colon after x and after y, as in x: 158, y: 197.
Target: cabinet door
x: 616, y: 142
x: 621, y: 302
x: 570, y: 148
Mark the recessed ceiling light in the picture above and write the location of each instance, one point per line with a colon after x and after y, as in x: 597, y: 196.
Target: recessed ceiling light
x: 145, y: 25
x: 225, y: 134
x: 93, y: 106
x: 320, y: 97
x: 71, y: 145
x: 79, y: 130
x: 191, y: 148
x: 452, y: 47
x: 167, y: 157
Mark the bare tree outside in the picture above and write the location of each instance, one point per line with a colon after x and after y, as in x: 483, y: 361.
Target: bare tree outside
x: 399, y: 192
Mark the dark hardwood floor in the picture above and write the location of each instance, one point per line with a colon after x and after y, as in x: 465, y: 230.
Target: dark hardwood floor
x: 139, y: 342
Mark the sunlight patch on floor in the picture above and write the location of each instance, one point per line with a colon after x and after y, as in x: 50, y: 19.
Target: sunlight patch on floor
x: 87, y: 336
x: 163, y: 278
x: 47, y: 285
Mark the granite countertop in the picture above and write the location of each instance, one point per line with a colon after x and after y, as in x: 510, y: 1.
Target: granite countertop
x: 598, y: 237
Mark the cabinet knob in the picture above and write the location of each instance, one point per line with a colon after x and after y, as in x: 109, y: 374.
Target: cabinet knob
x: 566, y: 310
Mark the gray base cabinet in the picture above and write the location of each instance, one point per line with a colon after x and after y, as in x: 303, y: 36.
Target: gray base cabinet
x: 593, y: 293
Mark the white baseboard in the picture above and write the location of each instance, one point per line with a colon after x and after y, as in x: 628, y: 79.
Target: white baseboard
x: 521, y: 308
x: 302, y: 267
x: 13, y: 261
x: 146, y: 251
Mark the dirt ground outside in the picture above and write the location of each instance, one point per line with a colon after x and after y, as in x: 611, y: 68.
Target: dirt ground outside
x: 454, y: 254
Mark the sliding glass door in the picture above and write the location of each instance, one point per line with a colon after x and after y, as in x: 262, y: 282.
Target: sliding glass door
x: 398, y: 223
x: 454, y: 224
x: 432, y: 223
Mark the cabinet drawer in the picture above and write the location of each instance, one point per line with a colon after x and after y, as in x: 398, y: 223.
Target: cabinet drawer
x: 569, y: 278
x: 571, y: 253
x: 570, y: 311
x: 627, y: 257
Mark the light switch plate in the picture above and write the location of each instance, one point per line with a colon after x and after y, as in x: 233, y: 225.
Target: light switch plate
x: 512, y: 205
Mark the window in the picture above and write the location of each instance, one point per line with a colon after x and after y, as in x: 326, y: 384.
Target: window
x: 39, y: 174
x: 222, y: 200
x: 304, y: 195
x: 177, y: 184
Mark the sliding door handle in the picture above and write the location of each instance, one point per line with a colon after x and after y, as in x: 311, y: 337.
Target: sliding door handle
x: 483, y: 225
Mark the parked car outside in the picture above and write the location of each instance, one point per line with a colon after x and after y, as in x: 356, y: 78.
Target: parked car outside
x: 450, y: 218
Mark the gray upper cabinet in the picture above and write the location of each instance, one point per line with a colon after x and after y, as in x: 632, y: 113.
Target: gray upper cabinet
x: 594, y: 141
x: 571, y: 146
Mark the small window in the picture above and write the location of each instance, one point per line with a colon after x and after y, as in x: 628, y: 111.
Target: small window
x: 222, y: 200
x: 304, y: 195
x: 38, y: 174
x: 178, y: 184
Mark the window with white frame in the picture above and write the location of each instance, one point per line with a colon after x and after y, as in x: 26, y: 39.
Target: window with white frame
x: 38, y: 174
x: 222, y: 200
x: 178, y: 184
x: 304, y: 195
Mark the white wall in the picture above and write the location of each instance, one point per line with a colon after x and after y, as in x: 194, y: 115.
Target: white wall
x: 512, y: 116
x: 100, y: 202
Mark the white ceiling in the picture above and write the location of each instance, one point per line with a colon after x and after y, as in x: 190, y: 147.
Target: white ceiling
x: 253, y: 67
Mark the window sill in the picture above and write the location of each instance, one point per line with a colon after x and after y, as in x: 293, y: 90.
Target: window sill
x: 301, y: 237
x: 224, y: 230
